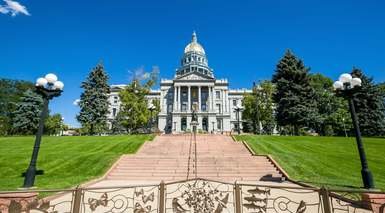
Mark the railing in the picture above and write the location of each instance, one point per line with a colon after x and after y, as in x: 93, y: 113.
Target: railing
x: 196, y: 195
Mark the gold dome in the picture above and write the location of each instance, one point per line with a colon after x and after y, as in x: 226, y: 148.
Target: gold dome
x: 194, y: 46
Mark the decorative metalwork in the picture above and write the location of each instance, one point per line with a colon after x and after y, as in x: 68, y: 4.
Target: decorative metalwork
x: 263, y: 199
x: 59, y: 205
x: 132, y: 199
x: 199, y: 196
x: 348, y: 202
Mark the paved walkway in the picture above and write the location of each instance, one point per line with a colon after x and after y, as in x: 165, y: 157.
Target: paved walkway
x: 168, y: 158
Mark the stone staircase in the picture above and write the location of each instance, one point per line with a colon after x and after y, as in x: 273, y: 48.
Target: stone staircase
x: 218, y: 158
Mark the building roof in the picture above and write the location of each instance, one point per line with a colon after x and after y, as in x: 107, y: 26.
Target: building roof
x: 194, y: 46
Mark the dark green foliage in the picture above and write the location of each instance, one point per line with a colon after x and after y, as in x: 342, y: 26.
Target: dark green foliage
x: 369, y: 104
x: 334, y: 117
x: 294, y: 97
x: 27, y: 114
x: 11, y: 92
x: 94, y: 101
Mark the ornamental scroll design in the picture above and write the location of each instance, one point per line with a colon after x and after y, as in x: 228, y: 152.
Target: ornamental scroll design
x: 199, y: 196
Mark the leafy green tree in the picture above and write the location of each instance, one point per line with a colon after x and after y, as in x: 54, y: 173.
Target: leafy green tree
x: 94, y: 101
x: 369, y: 104
x: 27, y: 113
x: 11, y: 92
x: 294, y: 97
x: 134, y: 113
x: 334, y: 118
x: 53, y: 124
x: 259, y: 108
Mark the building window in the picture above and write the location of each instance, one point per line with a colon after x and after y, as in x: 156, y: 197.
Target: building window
x: 219, y: 110
x: 115, y: 99
x: 218, y: 94
x: 184, y: 107
x: 169, y: 108
x: 234, y: 102
x: 114, y: 112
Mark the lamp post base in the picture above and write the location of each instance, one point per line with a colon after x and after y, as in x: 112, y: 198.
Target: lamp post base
x: 29, y: 179
x: 367, y: 178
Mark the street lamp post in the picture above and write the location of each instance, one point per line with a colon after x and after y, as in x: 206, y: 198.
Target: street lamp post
x: 151, y: 107
x: 48, y: 87
x: 238, y: 109
x: 346, y: 86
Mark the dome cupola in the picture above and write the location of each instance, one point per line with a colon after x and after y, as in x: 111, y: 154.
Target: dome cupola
x: 194, y: 59
x: 194, y: 46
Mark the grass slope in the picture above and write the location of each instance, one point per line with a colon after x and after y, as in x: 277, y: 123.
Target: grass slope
x: 322, y: 160
x: 66, y: 161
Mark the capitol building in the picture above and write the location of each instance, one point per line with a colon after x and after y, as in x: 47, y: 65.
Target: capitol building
x: 193, y: 87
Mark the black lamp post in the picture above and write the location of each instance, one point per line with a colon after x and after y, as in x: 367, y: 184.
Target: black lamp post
x: 346, y: 86
x: 238, y: 109
x: 151, y: 108
x: 48, y: 87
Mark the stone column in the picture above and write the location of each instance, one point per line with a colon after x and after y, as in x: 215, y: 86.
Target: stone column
x: 199, y: 98
x: 179, y: 102
x: 209, y: 98
x: 223, y: 101
x: 175, y: 100
x: 212, y: 98
x: 189, y: 99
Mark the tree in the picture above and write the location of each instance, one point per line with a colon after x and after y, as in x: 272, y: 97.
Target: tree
x: 94, y: 101
x: 294, y: 96
x: 27, y: 114
x: 334, y: 118
x: 134, y: 113
x: 259, y: 108
x: 369, y: 104
x: 11, y: 92
x: 53, y: 124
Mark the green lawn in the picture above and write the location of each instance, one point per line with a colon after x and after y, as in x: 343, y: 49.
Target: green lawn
x: 66, y: 161
x: 322, y: 160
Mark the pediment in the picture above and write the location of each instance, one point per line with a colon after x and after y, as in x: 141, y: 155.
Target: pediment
x: 194, y: 76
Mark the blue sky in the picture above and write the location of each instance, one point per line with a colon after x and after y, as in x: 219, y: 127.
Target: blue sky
x: 243, y: 39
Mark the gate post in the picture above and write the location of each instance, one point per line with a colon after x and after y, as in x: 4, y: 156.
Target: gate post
x: 77, y: 200
x: 238, y: 206
x: 161, y: 197
x: 324, y: 194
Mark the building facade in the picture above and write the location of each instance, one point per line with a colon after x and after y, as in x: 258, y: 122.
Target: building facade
x: 193, y: 87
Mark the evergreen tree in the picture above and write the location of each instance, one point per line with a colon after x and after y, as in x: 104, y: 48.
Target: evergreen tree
x: 27, y: 114
x: 294, y: 97
x: 11, y: 92
x: 369, y: 104
x: 94, y: 101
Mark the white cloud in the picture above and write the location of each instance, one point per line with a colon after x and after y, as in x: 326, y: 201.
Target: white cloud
x: 76, y: 102
x: 14, y: 8
x: 141, y: 74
